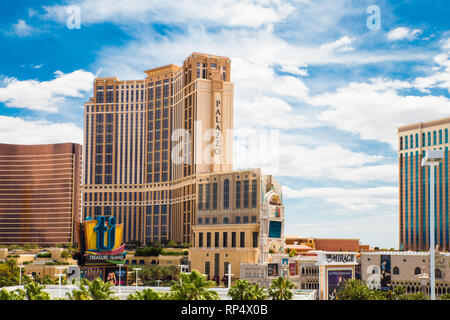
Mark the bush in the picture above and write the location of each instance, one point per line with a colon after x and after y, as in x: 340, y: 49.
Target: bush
x: 44, y: 255
x: 147, y: 252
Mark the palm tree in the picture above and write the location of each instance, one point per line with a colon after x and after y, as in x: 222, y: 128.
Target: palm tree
x: 193, y: 286
x: 148, y: 294
x: 244, y: 290
x: 11, y: 295
x: 95, y: 290
x: 353, y: 289
x: 34, y: 291
x: 280, y: 289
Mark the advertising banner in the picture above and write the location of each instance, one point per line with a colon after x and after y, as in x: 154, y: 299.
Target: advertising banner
x: 112, y: 275
x: 91, y: 273
x: 272, y: 269
x: 385, y: 277
x: 336, y: 278
x: 293, y: 268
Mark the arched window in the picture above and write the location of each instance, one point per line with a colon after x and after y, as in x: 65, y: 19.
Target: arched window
x: 226, y: 194
x: 226, y: 220
x: 438, y: 273
x: 417, y: 271
x: 396, y: 270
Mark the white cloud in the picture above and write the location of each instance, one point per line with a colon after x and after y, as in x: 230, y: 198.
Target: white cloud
x: 22, y: 29
x: 16, y: 130
x: 248, y: 13
x: 403, y: 33
x: 45, y: 95
x: 375, y: 109
x: 342, y: 44
x: 355, y: 199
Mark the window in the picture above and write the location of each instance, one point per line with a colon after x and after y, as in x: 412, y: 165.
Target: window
x: 238, y: 194
x: 225, y: 239
x: 446, y: 135
x: 429, y: 138
x: 200, y: 197
x: 238, y: 220
x: 440, y: 136
x: 233, y: 239
x: 438, y: 273
x: 207, y: 268
x: 253, y: 219
x: 246, y: 193
x: 434, y: 138
x: 226, y: 220
x: 401, y: 143
x: 200, y: 240
x: 208, y: 239
x: 226, y: 194
x: 214, y: 196
x: 417, y: 271
x: 200, y: 220
x: 242, y: 240
x: 406, y: 142
x: 216, y: 239
x: 208, y: 186
x: 254, y: 195
x: 255, y: 239
x: 245, y: 219
x: 417, y: 140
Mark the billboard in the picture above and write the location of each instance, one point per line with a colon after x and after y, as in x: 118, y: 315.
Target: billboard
x: 91, y: 273
x: 112, y: 275
x: 275, y: 229
x: 385, y: 276
x: 293, y: 268
x: 272, y: 269
x: 337, y: 278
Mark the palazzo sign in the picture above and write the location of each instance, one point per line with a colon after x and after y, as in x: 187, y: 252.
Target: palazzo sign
x: 218, y: 124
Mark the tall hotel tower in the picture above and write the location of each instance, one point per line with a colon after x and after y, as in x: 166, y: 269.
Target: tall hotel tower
x: 134, y: 138
x: 414, y: 179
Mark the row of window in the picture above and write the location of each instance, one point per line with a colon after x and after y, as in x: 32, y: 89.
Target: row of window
x: 428, y: 139
x: 226, y: 220
x: 204, y: 200
x: 206, y: 243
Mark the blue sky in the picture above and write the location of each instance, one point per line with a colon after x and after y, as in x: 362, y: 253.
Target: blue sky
x: 312, y: 71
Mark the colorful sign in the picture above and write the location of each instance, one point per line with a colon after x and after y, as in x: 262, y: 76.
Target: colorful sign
x: 112, y: 275
x: 272, y: 269
x: 103, y: 239
x: 218, y: 124
x: 91, y: 273
x: 275, y: 200
x: 336, y: 279
x: 293, y: 268
x: 385, y: 277
x: 275, y: 212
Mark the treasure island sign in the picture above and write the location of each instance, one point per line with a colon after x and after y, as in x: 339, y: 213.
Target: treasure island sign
x: 102, y: 240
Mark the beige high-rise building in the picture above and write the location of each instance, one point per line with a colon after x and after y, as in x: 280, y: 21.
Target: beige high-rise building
x: 146, y: 141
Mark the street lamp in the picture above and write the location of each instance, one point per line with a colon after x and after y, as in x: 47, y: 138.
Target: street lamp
x: 137, y: 270
x: 20, y: 275
x: 432, y: 159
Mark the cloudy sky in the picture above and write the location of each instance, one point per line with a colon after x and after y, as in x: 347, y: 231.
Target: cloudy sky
x: 331, y: 80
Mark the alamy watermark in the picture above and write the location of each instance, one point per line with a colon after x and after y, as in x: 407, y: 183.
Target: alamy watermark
x: 74, y: 19
x: 374, y: 20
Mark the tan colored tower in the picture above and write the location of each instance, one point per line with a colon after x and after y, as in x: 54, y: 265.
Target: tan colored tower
x: 135, y: 134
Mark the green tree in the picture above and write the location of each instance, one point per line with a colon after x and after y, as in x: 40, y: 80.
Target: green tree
x: 34, y: 291
x: 193, y: 286
x: 94, y: 290
x: 353, y: 289
x: 65, y: 254
x: 148, y: 294
x: 445, y: 296
x: 11, y: 295
x: 244, y: 290
x: 280, y: 289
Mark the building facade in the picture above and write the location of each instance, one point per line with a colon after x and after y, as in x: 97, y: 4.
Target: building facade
x: 147, y: 140
x: 387, y: 269
x: 414, y: 179
x: 40, y: 198
x: 236, y: 221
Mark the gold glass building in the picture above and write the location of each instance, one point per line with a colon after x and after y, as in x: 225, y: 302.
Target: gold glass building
x: 414, y: 179
x: 40, y: 193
